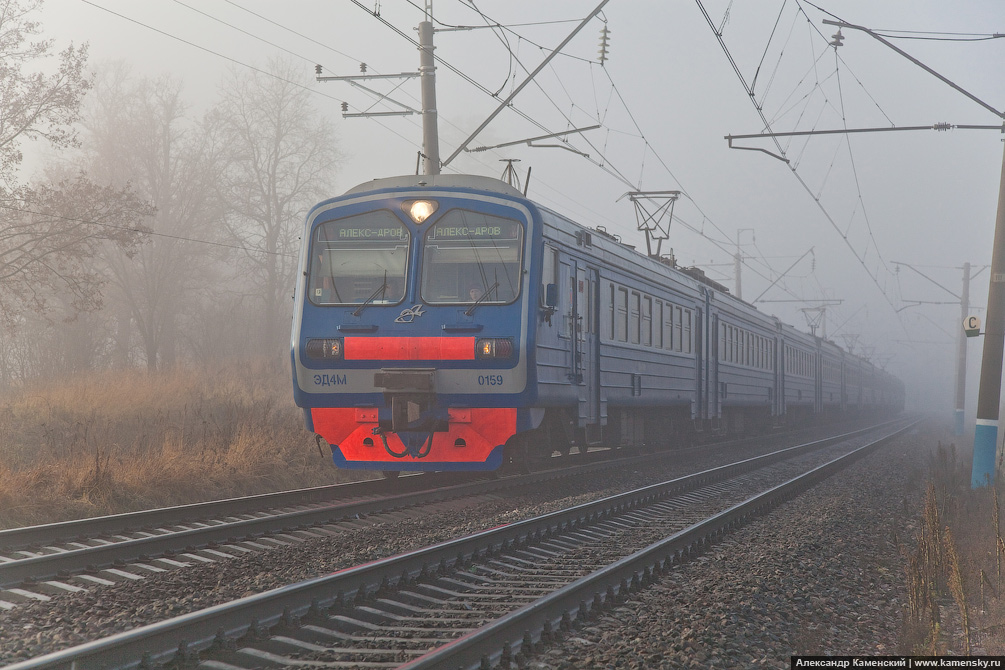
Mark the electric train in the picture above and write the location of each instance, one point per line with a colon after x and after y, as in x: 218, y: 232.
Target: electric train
x: 449, y: 323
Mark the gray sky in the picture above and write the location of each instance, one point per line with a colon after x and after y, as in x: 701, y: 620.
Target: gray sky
x: 665, y: 98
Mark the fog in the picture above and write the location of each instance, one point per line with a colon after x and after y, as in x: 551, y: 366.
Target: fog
x: 889, y: 216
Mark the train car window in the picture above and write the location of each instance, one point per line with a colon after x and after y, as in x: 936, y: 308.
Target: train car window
x: 658, y: 321
x: 359, y: 258
x: 610, y: 313
x: 470, y: 256
x: 634, y: 317
x: 567, y: 287
x: 549, y: 271
x: 668, y: 327
x: 678, y: 329
x: 647, y: 321
x: 687, y: 331
x: 585, y: 306
x: 570, y: 315
x: 622, y: 315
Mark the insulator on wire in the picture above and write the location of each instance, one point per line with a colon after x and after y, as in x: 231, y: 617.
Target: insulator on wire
x: 605, y: 38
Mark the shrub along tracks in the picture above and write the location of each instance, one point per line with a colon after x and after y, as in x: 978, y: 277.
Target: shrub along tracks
x: 41, y: 562
x: 498, y: 590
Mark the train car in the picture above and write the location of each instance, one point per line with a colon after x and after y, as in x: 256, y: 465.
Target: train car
x: 798, y: 372
x: 745, y: 367
x: 449, y: 323
x: 831, y: 376
x: 414, y: 323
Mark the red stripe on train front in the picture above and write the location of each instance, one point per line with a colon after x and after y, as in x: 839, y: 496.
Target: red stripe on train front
x: 409, y: 348
x: 478, y: 429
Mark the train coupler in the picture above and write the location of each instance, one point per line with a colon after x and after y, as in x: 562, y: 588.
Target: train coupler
x: 417, y: 444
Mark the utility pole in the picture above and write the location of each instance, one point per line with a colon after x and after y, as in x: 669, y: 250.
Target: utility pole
x: 738, y: 263
x: 961, y: 357
x: 505, y: 103
x: 989, y: 395
x: 427, y: 78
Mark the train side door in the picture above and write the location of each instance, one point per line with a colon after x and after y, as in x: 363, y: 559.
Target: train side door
x: 586, y: 361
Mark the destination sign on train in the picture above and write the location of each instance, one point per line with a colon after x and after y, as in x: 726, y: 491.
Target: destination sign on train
x: 378, y: 232
x: 482, y: 232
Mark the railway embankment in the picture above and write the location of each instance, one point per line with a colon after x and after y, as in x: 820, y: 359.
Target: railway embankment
x: 840, y: 570
x: 894, y: 555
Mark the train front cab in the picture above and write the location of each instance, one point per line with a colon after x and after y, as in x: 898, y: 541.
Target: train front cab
x: 413, y: 326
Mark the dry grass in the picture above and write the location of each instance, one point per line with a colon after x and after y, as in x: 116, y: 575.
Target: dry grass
x: 954, y: 570
x: 113, y: 442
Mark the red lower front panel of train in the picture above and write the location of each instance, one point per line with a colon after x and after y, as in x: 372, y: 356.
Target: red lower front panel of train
x: 468, y: 438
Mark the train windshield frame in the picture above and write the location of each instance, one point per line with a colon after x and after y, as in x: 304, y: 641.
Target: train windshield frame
x: 470, y: 257
x: 359, y: 259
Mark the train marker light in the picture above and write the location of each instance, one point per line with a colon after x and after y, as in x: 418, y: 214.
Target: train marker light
x: 325, y: 349
x: 494, y: 348
x: 419, y: 210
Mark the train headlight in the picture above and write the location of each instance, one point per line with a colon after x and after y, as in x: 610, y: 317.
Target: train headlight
x: 419, y: 210
x: 494, y: 347
x: 330, y: 348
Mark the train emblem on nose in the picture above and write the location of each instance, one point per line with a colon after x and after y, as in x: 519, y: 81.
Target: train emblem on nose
x: 409, y: 313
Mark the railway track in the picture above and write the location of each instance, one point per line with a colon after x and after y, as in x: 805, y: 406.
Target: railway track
x: 38, y: 563
x: 479, y: 599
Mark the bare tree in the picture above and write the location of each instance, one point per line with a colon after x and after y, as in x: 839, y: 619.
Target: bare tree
x: 49, y: 231
x: 138, y: 133
x: 282, y: 159
x: 32, y: 105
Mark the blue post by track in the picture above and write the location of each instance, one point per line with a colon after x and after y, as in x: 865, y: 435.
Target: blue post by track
x: 989, y: 396
x: 985, y: 444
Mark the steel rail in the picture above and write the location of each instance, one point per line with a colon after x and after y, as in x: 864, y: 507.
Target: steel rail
x: 15, y: 538
x: 507, y: 635
x: 159, y: 642
x: 60, y: 563
x: 50, y: 565
x: 28, y: 536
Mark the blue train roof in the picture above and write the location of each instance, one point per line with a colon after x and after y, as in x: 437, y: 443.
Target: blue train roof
x: 474, y: 182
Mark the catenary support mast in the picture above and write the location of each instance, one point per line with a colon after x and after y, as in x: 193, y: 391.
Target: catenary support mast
x: 427, y: 73
x: 961, y: 357
x: 989, y: 396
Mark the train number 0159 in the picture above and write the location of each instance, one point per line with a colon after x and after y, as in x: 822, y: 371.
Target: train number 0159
x: 490, y: 380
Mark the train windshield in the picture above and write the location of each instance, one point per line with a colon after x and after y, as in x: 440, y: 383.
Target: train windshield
x: 470, y: 257
x: 359, y: 259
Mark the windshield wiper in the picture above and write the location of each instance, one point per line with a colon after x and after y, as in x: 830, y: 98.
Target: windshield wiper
x: 383, y: 287
x: 470, y: 310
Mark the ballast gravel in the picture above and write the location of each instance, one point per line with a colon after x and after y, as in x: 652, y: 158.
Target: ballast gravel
x: 821, y: 574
